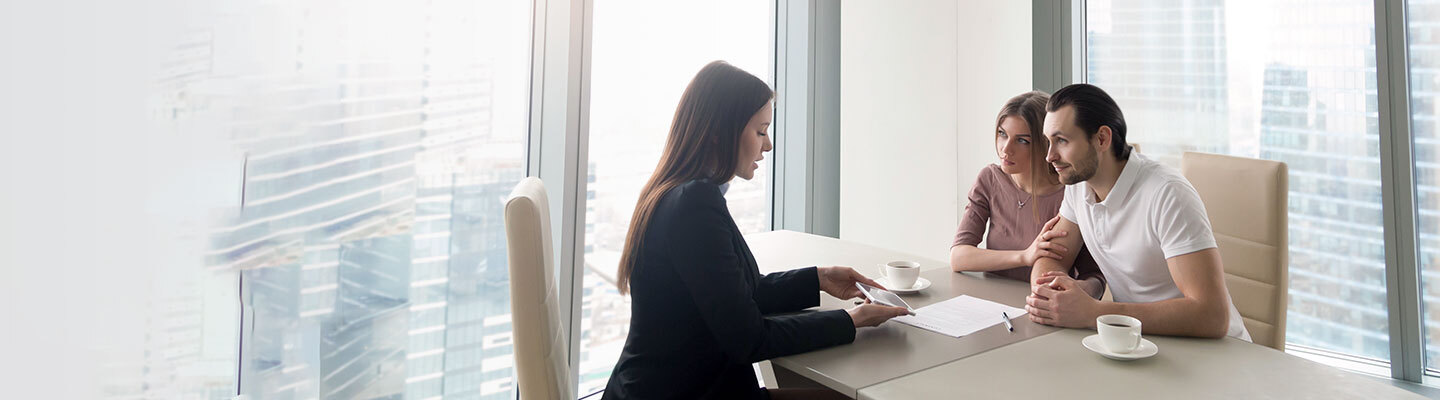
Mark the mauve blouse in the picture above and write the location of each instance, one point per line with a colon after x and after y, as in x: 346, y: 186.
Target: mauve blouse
x: 1014, y: 220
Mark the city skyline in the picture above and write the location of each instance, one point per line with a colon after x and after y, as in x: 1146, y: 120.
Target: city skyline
x: 371, y: 237
x: 375, y: 189
x: 1310, y: 79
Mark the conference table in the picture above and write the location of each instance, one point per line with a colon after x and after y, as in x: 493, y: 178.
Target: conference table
x: 899, y: 361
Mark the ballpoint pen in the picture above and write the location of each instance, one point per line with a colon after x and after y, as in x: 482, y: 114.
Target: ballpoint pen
x: 1008, y: 326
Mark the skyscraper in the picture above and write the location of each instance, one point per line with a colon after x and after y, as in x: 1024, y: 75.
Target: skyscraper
x: 1307, y: 71
x: 1337, y: 269
x: 371, y: 238
x: 1164, y: 62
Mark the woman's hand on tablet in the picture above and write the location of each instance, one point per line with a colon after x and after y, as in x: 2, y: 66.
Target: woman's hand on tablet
x: 874, y: 314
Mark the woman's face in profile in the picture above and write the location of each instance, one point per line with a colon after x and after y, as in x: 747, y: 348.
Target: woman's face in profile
x: 1012, y: 145
x: 755, y: 141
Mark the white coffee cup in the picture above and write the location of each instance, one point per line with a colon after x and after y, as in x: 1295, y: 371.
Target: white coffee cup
x: 900, y: 274
x: 1119, y: 333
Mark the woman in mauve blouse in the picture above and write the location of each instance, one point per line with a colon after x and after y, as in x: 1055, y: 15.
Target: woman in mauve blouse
x: 1018, y: 198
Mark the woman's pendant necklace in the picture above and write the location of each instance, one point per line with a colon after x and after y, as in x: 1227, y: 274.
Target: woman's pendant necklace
x: 1022, y: 203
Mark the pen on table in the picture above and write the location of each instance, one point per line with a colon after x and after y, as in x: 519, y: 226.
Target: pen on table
x: 1008, y: 326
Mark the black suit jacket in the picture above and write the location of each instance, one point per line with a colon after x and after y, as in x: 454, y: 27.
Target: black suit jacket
x: 699, y: 307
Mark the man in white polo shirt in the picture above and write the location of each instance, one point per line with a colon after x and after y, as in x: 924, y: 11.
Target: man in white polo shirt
x: 1143, y: 223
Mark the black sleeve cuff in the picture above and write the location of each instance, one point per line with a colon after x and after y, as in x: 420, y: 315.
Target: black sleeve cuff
x: 787, y: 291
x: 839, y: 328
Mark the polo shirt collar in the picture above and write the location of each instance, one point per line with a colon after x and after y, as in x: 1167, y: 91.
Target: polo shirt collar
x: 1123, y: 184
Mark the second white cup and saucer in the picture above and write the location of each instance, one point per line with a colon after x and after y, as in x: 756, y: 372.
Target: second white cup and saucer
x: 1118, y: 338
x: 902, y: 277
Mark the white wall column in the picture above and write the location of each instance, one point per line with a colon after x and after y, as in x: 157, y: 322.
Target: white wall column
x: 921, y: 83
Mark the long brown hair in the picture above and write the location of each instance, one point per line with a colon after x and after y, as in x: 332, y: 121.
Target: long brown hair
x: 1030, y: 106
x: 704, y: 143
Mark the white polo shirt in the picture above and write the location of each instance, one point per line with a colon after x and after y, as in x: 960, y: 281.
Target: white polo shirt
x: 1151, y: 215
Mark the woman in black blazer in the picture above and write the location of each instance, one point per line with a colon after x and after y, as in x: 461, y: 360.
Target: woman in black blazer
x: 701, y: 313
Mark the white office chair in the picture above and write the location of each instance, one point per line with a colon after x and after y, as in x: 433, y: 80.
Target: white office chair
x: 1246, y: 199
x: 541, y: 361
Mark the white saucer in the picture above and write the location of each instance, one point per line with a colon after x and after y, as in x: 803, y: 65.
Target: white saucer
x: 1146, y: 349
x: 920, y: 284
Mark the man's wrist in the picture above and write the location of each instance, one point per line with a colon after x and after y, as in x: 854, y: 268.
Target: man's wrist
x: 1094, y: 287
x: 1100, y: 308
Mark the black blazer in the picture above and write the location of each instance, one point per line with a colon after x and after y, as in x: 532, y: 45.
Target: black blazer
x: 699, y: 307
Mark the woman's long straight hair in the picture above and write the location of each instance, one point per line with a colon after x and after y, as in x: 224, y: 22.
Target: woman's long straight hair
x: 1030, y: 106
x: 704, y: 143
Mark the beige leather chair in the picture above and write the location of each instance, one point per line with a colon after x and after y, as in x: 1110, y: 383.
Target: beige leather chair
x: 541, y: 361
x: 1246, y: 199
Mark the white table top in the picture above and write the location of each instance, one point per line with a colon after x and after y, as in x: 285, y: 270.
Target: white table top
x: 1184, y: 368
x: 897, y: 361
x: 892, y: 349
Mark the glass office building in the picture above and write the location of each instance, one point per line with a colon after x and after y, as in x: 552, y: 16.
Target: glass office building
x: 1300, y: 89
x: 371, y: 237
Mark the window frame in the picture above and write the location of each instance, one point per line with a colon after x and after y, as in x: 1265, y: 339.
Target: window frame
x: 1060, y: 59
x: 1397, y: 183
x: 558, y: 144
x: 806, y: 184
x: 803, y: 191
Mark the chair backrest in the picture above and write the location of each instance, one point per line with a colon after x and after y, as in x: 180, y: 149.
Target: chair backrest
x: 1246, y: 199
x: 541, y: 360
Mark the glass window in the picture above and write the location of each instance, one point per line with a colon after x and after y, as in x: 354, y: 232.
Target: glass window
x: 645, y: 53
x: 380, y: 140
x: 1424, y: 36
x: 1285, y: 80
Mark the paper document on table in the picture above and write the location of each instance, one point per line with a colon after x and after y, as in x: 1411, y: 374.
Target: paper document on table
x: 960, y: 316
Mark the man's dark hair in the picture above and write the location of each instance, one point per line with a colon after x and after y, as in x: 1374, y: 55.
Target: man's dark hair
x: 1093, y: 109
